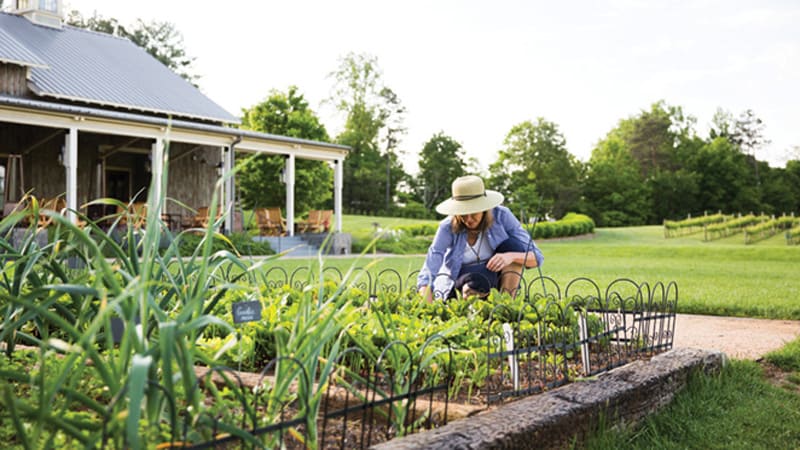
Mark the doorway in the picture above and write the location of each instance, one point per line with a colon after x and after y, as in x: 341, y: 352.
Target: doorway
x: 118, y: 184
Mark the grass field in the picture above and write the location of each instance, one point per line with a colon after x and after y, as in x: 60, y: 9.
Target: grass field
x: 737, y: 409
x: 722, y: 277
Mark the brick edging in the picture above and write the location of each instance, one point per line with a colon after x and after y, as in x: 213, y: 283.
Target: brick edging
x: 563, y: 416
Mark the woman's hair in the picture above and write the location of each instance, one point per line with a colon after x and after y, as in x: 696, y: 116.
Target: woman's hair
x: 457, y: 224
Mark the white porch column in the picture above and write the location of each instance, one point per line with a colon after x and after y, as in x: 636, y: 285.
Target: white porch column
x: 228, y: 199
x: 338, y: 177
x: 289, y: 173
x: 71, y: 166
x: 157, y: 170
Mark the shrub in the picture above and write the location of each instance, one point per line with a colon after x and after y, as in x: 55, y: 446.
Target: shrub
x: 572, y: 224
x: 241, y: 243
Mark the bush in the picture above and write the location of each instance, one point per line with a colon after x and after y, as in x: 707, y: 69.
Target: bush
x: 242, y: 243
x: 572, y: 224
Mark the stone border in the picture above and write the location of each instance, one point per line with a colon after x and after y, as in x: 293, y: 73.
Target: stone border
x: 564, y: 416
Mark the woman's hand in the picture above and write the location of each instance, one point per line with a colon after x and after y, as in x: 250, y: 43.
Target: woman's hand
x: 499, y: 261
x: 426, y: 293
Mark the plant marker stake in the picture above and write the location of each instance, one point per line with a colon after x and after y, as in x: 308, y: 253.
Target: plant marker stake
x: 244, y: 312
x: 508, y: 335
x: 583, y: 331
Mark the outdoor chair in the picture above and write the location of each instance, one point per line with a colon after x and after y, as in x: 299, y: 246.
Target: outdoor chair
x: 200, y: 219
x: 135, y: 212
x: 318, y: 221
x: 57, y: 204
x: 203, y: 219
x: 270, y: 222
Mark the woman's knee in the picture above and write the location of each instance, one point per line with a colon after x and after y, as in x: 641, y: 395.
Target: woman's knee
x: 510, y: 278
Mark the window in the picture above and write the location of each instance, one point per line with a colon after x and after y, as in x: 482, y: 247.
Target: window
x: 49, y: 5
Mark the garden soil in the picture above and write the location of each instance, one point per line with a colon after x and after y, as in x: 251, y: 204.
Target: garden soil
x: 737, y: 337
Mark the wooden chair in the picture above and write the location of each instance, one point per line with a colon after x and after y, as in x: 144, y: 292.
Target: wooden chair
x: 57, y: 204
x: 276, y: 217
x: 136, y: 212
x: 270, y: 222
x: 318, y: 221
x: 202, y: 219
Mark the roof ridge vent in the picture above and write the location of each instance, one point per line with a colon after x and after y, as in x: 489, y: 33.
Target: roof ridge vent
x: 41, y: 12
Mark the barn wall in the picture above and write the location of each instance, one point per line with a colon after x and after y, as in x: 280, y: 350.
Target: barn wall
x: 13, y: 80
x: 192, y: 176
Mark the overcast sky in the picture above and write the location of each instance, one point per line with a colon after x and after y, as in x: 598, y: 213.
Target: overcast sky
x: 474, y: 69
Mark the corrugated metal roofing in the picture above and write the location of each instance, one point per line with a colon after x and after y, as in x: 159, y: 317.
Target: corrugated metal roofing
x: 105, y: 70
x: 13, y: 51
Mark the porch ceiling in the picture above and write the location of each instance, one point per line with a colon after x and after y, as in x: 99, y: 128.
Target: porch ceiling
x: 45, y: 114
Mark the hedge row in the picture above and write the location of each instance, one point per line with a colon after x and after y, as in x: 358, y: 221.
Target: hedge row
x: 572, y: 224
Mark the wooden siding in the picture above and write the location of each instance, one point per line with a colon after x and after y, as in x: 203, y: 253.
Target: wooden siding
x: 192, y: 176
x: 13, y: 80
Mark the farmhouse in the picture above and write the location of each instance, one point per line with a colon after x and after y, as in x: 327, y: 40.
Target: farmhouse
x: 86, y: 115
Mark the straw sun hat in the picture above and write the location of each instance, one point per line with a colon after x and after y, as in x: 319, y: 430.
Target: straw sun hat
x: 469, y: 196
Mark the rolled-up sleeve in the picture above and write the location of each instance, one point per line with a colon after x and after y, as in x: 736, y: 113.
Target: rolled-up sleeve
x: 435, y: 257
x: 514, y: 228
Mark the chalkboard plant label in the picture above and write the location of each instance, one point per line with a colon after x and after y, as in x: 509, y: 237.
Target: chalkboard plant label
x: 118, y: 328
x: 246, y: 311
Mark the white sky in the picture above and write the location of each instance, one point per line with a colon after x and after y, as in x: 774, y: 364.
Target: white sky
x: 473, y: 69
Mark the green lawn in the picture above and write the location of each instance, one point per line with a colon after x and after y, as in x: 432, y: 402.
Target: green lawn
x: 737, y: 409
x: 722, y: 277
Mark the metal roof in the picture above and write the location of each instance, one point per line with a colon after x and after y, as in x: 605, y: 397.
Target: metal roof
x: 85, y: 66
x: 14, y: 52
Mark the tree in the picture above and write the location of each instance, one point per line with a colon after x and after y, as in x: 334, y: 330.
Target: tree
x: 440, y: 162
x: 722, y: 124
x: 673, y: 194
x: 372, y: 111
x: 653, y: 136
x: 614, y: 192
x: 160, y: 39
x: 287, y: 114
x: 749, y: 136
x: 724, y: 180
x: 392, y: 115
x: 535, y: 160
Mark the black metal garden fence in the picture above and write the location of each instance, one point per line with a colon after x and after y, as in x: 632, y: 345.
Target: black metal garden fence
x: 362, y: 403
x: 552, y: 340
x: 551, y: 337
x: 557, y: 336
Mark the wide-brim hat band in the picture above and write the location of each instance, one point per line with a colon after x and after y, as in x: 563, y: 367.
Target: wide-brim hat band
x: 469, y: 196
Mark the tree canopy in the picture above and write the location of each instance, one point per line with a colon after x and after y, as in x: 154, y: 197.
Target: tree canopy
x: 288, y: 114
x: 441, y: 161
x: 534, y: 163
x: 374, y: 114
x: 653, y: 166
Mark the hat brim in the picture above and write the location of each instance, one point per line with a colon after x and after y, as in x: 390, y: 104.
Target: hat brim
x: 452, y: 207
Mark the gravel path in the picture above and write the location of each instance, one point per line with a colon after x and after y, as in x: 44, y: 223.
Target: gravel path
x: 739, y: 338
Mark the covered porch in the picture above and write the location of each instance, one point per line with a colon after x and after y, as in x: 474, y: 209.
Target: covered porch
x: 83, y: 153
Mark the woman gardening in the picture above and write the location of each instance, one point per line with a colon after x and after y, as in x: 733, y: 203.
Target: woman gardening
x: 479, y: 246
